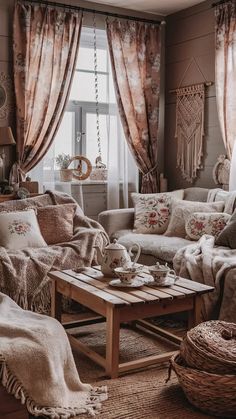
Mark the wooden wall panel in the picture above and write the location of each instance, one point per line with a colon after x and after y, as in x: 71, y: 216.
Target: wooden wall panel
x: 190, y: 34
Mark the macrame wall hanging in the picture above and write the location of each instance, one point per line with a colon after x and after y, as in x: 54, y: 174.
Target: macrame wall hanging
x: 190, y: 109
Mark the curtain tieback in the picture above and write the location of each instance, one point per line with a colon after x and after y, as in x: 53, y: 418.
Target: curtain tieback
x: 16, y: 174
x: 153, y: 169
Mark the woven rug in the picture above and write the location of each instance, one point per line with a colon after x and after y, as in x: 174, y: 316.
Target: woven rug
x: 137, y: 395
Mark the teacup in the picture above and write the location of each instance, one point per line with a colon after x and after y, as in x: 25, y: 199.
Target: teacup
x: 160, y: 273
x: 126, y: 274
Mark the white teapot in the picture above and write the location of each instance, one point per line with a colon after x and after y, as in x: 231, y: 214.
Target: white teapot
x: 116, y: 255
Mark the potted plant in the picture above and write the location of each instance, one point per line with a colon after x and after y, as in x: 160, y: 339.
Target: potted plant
x: 63, y: 161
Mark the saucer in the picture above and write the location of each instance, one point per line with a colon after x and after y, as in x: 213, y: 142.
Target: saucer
x: 136, y: 283
x: 167, y: 283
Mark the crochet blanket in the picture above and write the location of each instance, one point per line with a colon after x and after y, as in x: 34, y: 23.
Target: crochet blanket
x: 37, y: 365
x: 215, y: 266
x: 24, y: 273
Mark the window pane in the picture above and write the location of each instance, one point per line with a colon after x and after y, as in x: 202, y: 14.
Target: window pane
x: 65, y: 134
x: 83, y: 87
x: 85, y: 59
x: 91, y: 137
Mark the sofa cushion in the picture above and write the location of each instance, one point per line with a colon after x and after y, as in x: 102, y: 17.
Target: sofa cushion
x: 182, y: 209
x: 56, y: 222
x: 152, y: 211
x: 196, y: 194
x: 159, y: 246
x: 227, y: 237
x: 200, y: 223
x: 19, y: 230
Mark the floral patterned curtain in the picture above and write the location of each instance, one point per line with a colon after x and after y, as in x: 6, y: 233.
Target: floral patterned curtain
x: 225, y: 15
x: 46, y: 41
x: 135, y: 56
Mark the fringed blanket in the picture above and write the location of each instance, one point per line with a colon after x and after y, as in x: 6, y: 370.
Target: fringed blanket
x: 211, y: 265
x: 24, y: 273
x: 37, y: 365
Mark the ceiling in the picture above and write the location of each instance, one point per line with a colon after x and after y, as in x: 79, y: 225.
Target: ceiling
x: 162, y: 7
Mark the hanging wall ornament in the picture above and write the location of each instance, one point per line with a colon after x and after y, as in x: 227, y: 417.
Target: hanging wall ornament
x: 99, y: 172
x: 190, y: 129
x: 190, y: 108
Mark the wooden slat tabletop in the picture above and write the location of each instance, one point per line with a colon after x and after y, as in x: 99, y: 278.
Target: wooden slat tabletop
x: 98, y: 284
x: 94, y: 282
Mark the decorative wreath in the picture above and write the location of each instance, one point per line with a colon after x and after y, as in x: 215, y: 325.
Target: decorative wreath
x: 78, y: 173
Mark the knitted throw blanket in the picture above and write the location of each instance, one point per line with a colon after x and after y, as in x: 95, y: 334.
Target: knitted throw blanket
x: 211, y: 265
x: 23, y: 273
x: 37, y: 365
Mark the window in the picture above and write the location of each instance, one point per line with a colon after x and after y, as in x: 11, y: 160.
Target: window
x: 77, y: 133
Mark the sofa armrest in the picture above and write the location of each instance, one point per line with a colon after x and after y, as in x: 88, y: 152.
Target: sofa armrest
x: 118, y: 219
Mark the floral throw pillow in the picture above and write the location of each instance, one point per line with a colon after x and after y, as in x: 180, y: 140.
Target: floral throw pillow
x: 200, y: 223
x: 19, y: 230
x: 182, y: 209
x: 152, y: 212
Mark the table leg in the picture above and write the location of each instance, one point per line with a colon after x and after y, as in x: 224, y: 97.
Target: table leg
x: 195, y: 315
x: 56, y: 301
x: 112, y: 341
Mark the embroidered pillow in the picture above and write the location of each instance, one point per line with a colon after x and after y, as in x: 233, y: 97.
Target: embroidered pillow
x: 152, y: 212
x: 181, y: 210
x: 20, y: 229
x: 56, y: 222
x: 200, y: 223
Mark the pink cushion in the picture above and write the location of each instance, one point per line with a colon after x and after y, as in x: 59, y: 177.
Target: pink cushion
x: 56, y: 222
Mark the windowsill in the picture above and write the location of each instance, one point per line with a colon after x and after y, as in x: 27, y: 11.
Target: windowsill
x: 79, y: 182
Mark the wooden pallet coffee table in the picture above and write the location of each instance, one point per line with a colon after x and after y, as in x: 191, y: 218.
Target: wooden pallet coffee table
x: 90, y: 288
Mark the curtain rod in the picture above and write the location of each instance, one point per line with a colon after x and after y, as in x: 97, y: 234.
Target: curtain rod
x: 218, y: 3
x: 98, y: 12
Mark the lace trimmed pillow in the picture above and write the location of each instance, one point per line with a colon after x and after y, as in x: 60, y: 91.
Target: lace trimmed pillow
x: 19, y: 230
x: 182, y: 209
x: 200, y: 223
x: 152, y: 212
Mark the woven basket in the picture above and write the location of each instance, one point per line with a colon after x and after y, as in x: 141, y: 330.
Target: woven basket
x: 211, y: 393
x: 211, y: 347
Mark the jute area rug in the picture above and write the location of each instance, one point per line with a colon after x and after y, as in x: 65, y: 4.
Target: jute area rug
x: 136, y: 395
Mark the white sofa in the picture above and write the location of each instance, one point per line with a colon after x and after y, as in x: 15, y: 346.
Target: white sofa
x: 119, y: 224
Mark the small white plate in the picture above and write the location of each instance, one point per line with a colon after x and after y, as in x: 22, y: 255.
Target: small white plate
x: 168, y: 282
x: 136, y: 283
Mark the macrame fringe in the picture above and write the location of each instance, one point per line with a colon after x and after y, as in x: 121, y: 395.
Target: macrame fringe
x: 14, y: 387
x: 190, y: 129
x: 41, y: 303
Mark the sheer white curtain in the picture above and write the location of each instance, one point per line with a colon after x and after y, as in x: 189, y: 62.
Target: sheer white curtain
x: 44, y: 172
x: 122, y: 170
x: 123, y: 176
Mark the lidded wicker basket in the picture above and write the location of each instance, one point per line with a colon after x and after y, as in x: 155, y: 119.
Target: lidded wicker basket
x: 211, y: 347
x: 211, y: 393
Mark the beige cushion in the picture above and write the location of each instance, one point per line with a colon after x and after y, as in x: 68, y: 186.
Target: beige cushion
x: 181, y: 210
x: 56, y: 222
x: 20, y: 229
x: 152, y: 211
x: 159, y: 246
x: 200, y: 223
x: 228, y: 236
